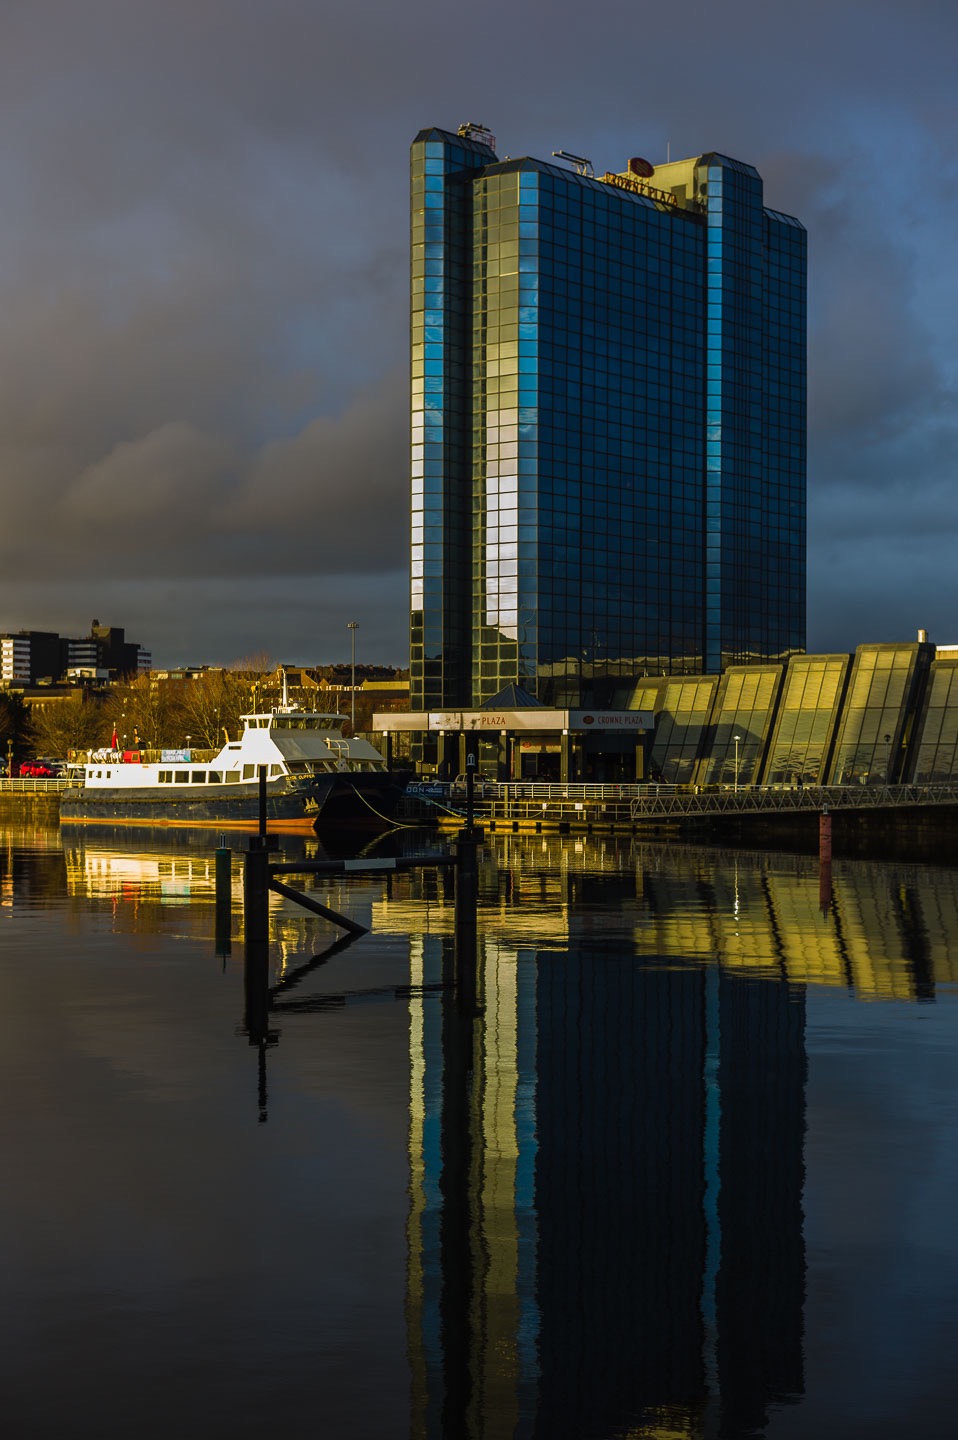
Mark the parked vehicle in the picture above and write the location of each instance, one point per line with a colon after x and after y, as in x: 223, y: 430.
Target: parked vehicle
x: 482, y: 785
x: 42, y: 769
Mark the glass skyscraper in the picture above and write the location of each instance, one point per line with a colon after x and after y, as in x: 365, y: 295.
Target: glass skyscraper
x: 608, y: 424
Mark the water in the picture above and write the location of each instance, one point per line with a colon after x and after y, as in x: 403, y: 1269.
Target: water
x: 689, y: 1171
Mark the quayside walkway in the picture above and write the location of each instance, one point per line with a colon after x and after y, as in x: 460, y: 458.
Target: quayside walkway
x: 582, y: 807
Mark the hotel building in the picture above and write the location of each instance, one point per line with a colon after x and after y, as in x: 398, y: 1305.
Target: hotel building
x: 608, y: 424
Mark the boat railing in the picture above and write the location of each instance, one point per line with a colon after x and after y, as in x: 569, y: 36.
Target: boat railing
x: 158, y: 757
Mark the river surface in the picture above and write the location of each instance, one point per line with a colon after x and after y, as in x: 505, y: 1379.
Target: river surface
x: 683, y: 1164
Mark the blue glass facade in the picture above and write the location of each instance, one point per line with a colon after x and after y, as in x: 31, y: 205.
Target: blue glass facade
x: 608, y: 412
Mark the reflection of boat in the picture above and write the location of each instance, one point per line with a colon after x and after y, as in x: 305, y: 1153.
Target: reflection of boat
x: 98, y: 874
x: 312, y: 774
x: 140, y: 862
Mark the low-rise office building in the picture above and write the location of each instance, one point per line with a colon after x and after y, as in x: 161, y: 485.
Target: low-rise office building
x: 888, y: 714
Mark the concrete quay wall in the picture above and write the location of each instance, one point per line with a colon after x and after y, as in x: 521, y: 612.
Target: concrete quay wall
x: 29, y: 805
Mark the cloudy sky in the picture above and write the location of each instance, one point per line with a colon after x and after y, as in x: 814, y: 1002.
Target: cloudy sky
x: 203, y: 265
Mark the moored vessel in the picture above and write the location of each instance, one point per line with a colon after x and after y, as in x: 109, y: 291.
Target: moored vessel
x: 313, y: 775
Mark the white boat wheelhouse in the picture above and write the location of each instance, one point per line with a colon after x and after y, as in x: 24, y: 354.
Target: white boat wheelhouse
x: 290, y: 744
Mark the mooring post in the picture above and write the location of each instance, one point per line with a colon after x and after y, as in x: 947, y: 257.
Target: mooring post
x: 224, y: 897
x: 256, y: 892
x: 825, y: 836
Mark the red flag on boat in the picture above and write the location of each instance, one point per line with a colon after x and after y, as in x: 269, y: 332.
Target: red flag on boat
x: 115, y: 742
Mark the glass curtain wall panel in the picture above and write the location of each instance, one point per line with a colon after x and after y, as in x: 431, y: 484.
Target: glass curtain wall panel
x: 886, y: 682
x: 440, y: 455
x: 755, y: 422
x: 681, y: 729
x: 807, y: 715
x: 646, y: 695
x: 587, y: 449
x: 744, y: 709
x: 935, y: 749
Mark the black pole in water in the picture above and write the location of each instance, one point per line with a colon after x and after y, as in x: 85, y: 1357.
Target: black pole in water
x: 224, y: 897
x: 262, y: 805
x: 256, y: 894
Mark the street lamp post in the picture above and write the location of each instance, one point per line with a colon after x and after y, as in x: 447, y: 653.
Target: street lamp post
x: 352, y: 626
x: 736, y: 738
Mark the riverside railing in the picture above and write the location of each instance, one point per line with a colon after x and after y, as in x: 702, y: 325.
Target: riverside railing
x: 625, y: 802
x: 19, y: 785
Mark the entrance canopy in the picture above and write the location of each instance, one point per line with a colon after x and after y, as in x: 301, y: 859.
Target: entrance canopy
x: 532, y: 717
x: 528, y: 741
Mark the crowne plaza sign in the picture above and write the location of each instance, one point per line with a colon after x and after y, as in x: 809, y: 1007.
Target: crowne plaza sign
x: 640, y: 720
x: 541, y: 718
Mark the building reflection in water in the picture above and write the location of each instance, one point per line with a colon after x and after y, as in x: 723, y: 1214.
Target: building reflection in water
x: 605, y: 1232
x: 606, y: 1227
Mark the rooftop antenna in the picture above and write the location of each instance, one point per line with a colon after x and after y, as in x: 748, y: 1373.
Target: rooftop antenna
x: 582, y: 165
x: 668, y: 152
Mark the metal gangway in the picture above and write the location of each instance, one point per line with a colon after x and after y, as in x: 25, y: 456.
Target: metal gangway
x: 631, y: 803
x: 772, y: 799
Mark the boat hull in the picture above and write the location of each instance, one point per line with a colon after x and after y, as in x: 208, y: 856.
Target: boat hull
x: 357, y: 799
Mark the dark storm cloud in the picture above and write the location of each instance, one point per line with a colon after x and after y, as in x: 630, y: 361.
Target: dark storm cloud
x: 203, y: 276
x: 178, y: 501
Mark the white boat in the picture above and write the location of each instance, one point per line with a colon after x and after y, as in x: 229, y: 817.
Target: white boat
x: 312, y: 774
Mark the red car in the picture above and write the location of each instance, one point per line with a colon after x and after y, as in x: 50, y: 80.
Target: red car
x: 41, y: 769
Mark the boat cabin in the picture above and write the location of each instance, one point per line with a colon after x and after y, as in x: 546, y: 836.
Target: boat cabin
x: 284, y: 742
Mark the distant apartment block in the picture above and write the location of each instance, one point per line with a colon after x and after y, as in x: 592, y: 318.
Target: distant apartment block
x: 32, y: 657
x: 15, y: 658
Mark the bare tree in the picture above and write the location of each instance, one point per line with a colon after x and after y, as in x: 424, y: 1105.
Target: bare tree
x: 77, y: 722
x: 147, y: 713
x: 254, y: 666
x: 15, y: 729
x: 213, y: 704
